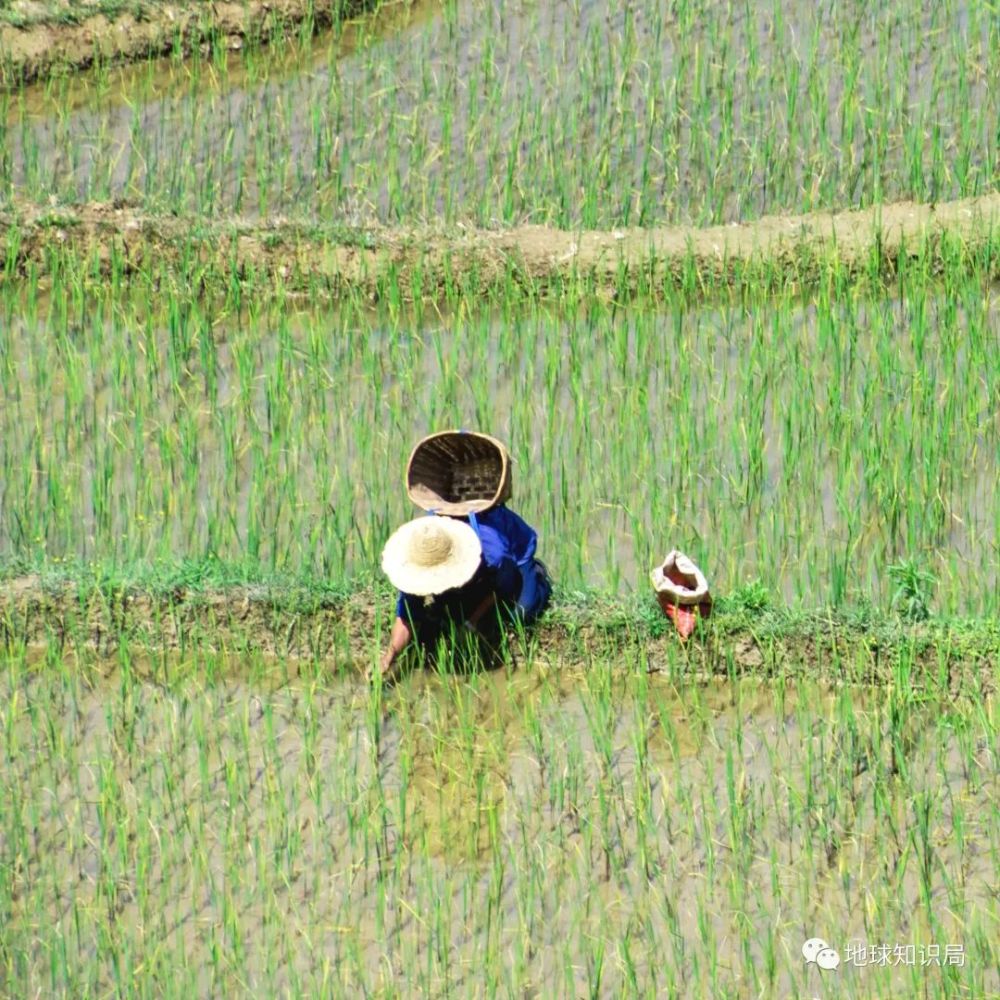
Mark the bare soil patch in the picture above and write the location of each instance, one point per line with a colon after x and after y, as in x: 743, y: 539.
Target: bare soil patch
x: 779, y: 251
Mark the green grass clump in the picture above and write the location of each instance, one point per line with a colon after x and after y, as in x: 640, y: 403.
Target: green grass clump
x: 64, y: 12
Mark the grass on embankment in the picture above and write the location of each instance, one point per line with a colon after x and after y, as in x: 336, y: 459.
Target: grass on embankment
x: 771, y: 254
x: 238, y: 609
x: 66, y: 37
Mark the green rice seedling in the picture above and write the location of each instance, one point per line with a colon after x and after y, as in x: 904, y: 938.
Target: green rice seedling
x: 913, y: 589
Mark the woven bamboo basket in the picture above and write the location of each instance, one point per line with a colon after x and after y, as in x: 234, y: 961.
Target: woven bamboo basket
x: 458, y: 473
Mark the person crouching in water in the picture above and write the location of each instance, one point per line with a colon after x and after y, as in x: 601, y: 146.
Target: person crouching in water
x: 461, y: 572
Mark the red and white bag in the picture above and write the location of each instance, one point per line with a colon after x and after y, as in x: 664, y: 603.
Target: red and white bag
x: 682, y: 590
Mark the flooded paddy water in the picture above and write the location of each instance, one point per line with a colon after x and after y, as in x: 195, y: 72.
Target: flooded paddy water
x: 543, y: 832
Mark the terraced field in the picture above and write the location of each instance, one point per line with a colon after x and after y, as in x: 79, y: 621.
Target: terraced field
x: 724, y: 278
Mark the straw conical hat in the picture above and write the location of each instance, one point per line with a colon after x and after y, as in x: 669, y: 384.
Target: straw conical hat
x: 431, y: 555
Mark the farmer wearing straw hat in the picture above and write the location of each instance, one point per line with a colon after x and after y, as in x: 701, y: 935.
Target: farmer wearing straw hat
x: 456, y: 572
x: 473, y: 561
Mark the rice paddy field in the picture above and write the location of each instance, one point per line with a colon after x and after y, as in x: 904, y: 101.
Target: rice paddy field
x: 202, y: 795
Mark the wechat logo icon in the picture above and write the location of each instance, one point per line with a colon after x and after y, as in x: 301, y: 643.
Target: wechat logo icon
x: 817, y: 951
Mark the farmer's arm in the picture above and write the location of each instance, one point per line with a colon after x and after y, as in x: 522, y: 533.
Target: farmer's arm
x: 399, y: 638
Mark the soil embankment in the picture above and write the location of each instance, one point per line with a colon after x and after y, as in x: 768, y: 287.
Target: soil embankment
x: 344, y: 631
x: 49, y: 38
x: 774, y: 252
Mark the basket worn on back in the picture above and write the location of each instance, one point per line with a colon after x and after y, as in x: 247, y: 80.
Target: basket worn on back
x: 458, y: 473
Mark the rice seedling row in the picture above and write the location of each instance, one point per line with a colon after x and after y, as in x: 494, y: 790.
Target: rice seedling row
x: 598, y: 832
x: 593, y: 114
x: 811, y: 445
